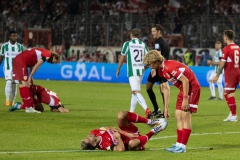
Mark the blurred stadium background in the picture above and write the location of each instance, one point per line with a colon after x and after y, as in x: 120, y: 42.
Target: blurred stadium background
x: 88, y: 25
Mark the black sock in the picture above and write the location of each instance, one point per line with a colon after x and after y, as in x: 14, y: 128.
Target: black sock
x: 153, y: 99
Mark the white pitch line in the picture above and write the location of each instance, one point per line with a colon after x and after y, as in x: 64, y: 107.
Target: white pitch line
x: 164, y: 137
x: 197, y: 134
x: 54, y: 151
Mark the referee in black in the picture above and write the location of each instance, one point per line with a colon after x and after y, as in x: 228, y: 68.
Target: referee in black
x: 162, y: 46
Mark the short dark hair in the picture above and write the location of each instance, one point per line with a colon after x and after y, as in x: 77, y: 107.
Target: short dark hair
x: 229, y: 34
x: 158, y: 27
x: 11, y: 32
x: 135, y: 32
x: 87, y: 146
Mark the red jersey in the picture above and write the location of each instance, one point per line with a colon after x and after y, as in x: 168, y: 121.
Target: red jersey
x: 231, y: 57
x: 31, y: 56
x: 40, y: 94
x: 107, y: 138
x: 173, y: 70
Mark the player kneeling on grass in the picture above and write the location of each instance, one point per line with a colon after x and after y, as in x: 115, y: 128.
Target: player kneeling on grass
x: 126, y: 137
x: 38, y: 95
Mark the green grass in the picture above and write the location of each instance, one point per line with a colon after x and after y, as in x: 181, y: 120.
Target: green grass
x: 92, y: 105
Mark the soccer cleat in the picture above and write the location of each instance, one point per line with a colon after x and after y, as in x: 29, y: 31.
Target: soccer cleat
x: 163, y: 125
x: 178, y: 149
x: 15, y: 107
x: 155, y: 114
x: 148, y: 112
x: 7, y: 103
x: 12, y: 103
x: 231, y: 118
x: 211, y: 98
x: 219, y: 99
x: 153, y: 122
x: 171, y: 148
x: 31, y: 110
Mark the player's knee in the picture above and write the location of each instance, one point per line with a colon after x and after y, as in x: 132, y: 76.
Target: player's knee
x: 122, y: 115
x: 133, y: 144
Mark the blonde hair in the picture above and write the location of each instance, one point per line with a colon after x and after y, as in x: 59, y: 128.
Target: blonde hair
x: 152, y: 57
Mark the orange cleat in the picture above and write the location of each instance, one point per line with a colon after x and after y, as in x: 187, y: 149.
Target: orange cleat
x: 7, y: 103
x: 148, y: 112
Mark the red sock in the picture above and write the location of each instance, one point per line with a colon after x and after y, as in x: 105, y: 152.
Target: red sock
x: 185, y: 135
x: 179, y: 136
x: 22, y: 107
x: 25, y: 95
x: 143, y: 139
x: 132, y: 117
x: 232, y: 105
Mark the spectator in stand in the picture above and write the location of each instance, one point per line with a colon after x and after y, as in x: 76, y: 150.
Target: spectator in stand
x: 204, y: 58
x: 188, y: 58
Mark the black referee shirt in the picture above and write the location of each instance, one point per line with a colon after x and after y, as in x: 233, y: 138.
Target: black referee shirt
x: 163, y: 46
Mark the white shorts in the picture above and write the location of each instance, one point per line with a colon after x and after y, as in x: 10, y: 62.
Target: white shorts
x: 135, y: 83
x: 213, y: 74
x: 8, y: 74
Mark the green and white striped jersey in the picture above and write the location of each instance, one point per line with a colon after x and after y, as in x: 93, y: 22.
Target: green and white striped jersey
x: 216, y: 57
x: 134, y: 51
x: 9, y: 52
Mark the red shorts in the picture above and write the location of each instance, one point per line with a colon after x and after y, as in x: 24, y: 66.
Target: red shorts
x: 193, y: 100
x: 231, y: 84
x: 130, y: 129
x: 20, y: 70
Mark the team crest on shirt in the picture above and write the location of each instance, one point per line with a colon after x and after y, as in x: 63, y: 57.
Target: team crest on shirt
x: 25, y: 78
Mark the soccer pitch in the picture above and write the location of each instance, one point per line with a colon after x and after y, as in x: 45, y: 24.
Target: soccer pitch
x: 92, y: 105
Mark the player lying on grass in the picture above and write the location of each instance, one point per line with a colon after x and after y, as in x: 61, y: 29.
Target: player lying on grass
x: 39, y: 95
x: 126, y: 137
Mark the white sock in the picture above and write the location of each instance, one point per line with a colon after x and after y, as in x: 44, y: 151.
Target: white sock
x: 133, y: 103
x: 141, y: 101
x: 8, y: 89
x: 220, y: 90
x: 14, y: 91
x: 212, y: 89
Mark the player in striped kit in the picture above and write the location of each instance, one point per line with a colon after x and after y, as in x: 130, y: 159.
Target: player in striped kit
x: 9, y: 51
x: 134, y: 50
x: 217, y: 57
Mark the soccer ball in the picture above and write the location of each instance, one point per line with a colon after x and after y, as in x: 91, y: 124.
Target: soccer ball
x: 163, y: 123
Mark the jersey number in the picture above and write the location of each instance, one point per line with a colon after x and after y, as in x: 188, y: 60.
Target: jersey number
x: 236, y: 56
x: 139, y: 54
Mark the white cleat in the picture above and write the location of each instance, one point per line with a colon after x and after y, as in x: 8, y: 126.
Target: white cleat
x: 231, y: 118
x: 31, y: 110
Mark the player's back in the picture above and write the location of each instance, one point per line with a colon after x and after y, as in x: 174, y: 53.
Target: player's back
x: 231, y: 56
x: 135, y: 50
x: 31, y: 56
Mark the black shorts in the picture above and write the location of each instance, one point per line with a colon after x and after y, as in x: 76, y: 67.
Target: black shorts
x: 156, y: 78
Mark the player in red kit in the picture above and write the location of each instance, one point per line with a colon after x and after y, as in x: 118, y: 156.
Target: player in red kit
x: 39, y: 95
x: 187, y: 100
x: 33, y: 59
x: 126, y: 137
x: 230, y: 63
